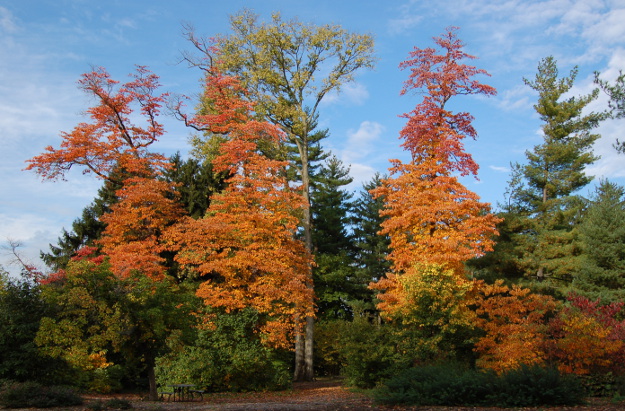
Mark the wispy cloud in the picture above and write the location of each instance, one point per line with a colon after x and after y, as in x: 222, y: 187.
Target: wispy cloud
x: 7, y: 21
x: 353, y: 93
x: 500, y: 169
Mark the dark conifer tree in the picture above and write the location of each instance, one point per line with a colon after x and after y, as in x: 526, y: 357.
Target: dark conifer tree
x: 602, y: 235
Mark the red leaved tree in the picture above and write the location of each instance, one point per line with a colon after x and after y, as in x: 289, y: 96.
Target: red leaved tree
x: 588, y: 337
x: 114, y: 147
x: 430, y: 216
x: 245, y: 248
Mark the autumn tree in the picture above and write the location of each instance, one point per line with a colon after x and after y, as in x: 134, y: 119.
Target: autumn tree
x: 289, y: 68
x: 545, y: 193
x: 112, y: 142
x: 515, y: 323
x: 245, y: 248
x: 431, y: 218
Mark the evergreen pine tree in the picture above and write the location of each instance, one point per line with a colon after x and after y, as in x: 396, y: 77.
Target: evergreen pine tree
x: 197, y: 183
x: 602, y: 235
x: 85, y: 230
x: 544, y: 193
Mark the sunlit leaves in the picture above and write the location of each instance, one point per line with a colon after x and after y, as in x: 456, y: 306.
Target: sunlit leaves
x: 245, y: 247
x: 515, y: 324
x: 111, y: 139
x: 430, y: 217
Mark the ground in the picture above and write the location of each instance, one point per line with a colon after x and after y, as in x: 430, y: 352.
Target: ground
x: 318, y: 396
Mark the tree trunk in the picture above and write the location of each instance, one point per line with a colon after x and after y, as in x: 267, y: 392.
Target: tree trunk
x: 304, y: 345
x: 153, y: 396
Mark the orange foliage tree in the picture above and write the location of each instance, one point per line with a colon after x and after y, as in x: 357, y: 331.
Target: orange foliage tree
x: 515, y: 323
x: 431, y: 218
x: 112, y: 142
x: 132, y: 238
x: 588, y: 337
x: 245, y: 248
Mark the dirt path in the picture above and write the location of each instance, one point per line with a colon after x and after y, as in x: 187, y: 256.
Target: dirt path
x: 321, y: 395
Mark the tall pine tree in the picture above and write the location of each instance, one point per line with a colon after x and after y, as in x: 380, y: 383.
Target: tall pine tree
x: 545, y: 190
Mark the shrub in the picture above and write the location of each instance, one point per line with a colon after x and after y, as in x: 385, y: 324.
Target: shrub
x: 370, y: 354
x: 227, y: 357
x: 449, y: 385
x: 35, y: 395
x: 536, y: 386
x: 436, y: 385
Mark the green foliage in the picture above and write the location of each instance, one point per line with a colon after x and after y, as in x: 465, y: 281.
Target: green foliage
x: 99, y: 317
x: 604, y: 385
x: 542, y: 190
x: 370, y: 352
x: 338, y: 284
x: 226, y: 356
x: 449, y: 385
x: 35, y: 395
x: 536, y: 386
x: 21, y: 309
x: 432, y: 319
x: 445, y: 384
x: 328, y: 357
x: 197, y: 183
x: 330, y: 208
x: 371, y: 247
x: 602, y: 235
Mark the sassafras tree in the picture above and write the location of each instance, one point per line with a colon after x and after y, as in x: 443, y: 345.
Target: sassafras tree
x: 431, y: 218
x: 245, y: 248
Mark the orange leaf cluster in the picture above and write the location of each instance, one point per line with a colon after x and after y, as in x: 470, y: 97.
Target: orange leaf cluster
x: 516, y: 325
x: 132, y: 238
x: 111, y: 139
x: 246, y: 246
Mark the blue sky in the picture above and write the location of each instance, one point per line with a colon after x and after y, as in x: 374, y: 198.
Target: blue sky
x: 45, y: 45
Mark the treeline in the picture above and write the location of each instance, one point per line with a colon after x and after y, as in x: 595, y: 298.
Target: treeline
x: 249, y: 264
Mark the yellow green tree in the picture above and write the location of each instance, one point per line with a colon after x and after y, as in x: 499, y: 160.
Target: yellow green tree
x: 289, y: 67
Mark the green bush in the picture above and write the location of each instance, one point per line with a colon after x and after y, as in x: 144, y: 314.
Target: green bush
x: 369, y: 352
x: 436, y: 385
x: 449, y: 385
x: 536, y: 386
x: 228, y: 357
x: 35, y: 395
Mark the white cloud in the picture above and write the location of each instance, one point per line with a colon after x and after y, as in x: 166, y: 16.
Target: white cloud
x: 516, y: 98
x: 360, y: 142
x: 351, y: 93
x: 7, y: 22
x: 500, y: 169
